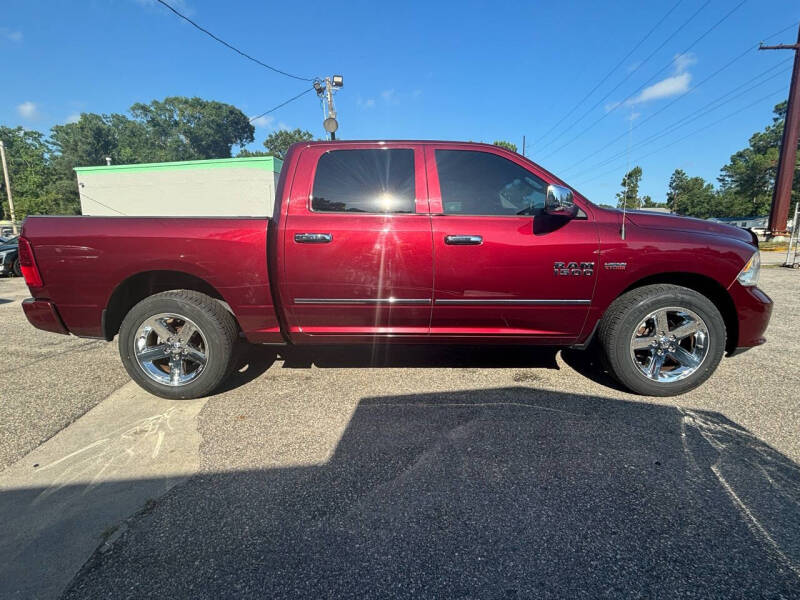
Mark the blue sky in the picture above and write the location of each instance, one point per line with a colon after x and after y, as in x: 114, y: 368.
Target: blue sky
x: 439, y: 70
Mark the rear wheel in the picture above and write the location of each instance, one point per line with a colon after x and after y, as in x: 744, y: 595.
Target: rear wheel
x: 662, y: 340
x: 17, y: 268
x: 178, y: 344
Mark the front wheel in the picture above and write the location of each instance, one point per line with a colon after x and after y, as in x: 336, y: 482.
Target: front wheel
x: 17, y: 268
x: 178, y: 344
x: 662, y: 340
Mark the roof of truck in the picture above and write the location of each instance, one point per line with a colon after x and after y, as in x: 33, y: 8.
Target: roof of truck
x: 338, y: 142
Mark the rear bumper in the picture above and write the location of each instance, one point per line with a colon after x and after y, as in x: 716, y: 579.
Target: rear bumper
x: 42, y: 314
x: 753, y: 308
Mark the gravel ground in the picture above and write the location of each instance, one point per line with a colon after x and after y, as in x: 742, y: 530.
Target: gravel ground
x: 46, y: 380
x: 491, y: 473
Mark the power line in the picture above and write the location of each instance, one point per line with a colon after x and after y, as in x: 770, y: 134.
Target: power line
x: 728, y: 116
x: 662, y: 109
x: 274, y: 108
x: 637, y: 90
x: 686, y: 120
x: 226, y: 44
x: 633, y: 71
x: 683, y: 121
x: 611, y: 72
x: 83, y: 194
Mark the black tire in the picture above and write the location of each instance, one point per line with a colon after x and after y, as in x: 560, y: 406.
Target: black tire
x: 17, y: 269
x: 625, y: 315
x: 217, y: 326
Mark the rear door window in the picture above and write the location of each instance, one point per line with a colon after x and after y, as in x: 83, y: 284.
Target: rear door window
x: 364, y: 181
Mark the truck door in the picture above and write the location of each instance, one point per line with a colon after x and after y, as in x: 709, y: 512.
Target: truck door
x: 503, y: 267
x: 357, y: 243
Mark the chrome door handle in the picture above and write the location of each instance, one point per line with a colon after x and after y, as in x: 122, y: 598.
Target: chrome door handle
x: 463, y: 240
x: 313, y: 238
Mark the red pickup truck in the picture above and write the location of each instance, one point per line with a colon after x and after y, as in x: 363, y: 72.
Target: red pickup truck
x: 402, y: 242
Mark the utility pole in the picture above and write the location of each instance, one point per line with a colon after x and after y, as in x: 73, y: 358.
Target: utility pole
x: 8, y: 188
x: 523, y: 145
x: 782, y: 194
x: 326, y: 91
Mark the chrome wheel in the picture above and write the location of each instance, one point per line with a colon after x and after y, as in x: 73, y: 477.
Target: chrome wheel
x: 669, y: 344
x: 170, y: 349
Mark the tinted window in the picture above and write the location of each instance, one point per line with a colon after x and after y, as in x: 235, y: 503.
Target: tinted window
x: 480, y: 183
x: 371, y: 181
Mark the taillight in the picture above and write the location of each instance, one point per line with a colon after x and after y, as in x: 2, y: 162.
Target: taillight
x: 27, y: 264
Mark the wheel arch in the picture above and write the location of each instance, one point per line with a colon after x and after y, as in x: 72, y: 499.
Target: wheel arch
x: 707, y: 286
x: 137, y: 287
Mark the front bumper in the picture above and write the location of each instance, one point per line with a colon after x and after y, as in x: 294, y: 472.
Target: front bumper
x: 753, y: 309
x: 42, y: 314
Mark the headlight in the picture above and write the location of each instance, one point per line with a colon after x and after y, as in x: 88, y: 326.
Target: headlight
x: 749, y: 274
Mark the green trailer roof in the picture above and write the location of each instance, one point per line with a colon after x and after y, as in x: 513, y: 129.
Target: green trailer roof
x: 267, y: 163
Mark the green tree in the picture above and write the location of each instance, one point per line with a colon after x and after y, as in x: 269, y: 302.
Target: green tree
x: 193, y: 128
x: 628, y: 197
x: 244, y: 152
x: 84, y: 143
x: 506, y: 145
x: 176, y: 128
x: 747, y: 181
x: 648, y: 202
x: 693, y: 196
x: 33, y: 178
x: 278, y: 142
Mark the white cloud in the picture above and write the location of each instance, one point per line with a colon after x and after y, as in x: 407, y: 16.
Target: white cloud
x: 671, y: 86
x: 283, y: 126
x: 674, y: 85
x: 28, y: 110
x: 389, y: 96
x: 10, y: 34
x: 264, y: 121
x: 74, y: 118
x: 634, y: 115
x: 683, y: 62
x: 416, y: 94
x: 368, y: 103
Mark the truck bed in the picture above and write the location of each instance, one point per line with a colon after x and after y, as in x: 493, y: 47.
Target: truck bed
x: 90, y: 264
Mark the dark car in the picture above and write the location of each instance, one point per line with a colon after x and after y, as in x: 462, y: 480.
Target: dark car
x: 9, y: 257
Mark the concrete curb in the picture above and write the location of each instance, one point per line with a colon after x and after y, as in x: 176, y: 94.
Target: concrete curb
x: 70, y: 495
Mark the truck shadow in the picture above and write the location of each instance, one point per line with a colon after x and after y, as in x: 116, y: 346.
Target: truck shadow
x: 254, y: 360
x: 419, y: 356
x: 511, y: 492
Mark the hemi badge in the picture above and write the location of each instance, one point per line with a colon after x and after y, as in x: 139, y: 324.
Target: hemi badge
x: 616, y: 266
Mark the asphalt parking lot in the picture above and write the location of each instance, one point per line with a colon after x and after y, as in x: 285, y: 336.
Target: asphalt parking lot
x: 399, y: 472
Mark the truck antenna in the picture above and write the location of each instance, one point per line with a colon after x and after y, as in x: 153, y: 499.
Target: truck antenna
x: 627, y: 176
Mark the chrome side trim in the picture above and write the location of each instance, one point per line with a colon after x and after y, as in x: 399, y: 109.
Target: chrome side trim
x: 489, y: 302
x: 362, y: 301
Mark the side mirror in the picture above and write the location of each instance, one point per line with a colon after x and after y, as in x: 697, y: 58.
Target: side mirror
x: 560, y: 202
